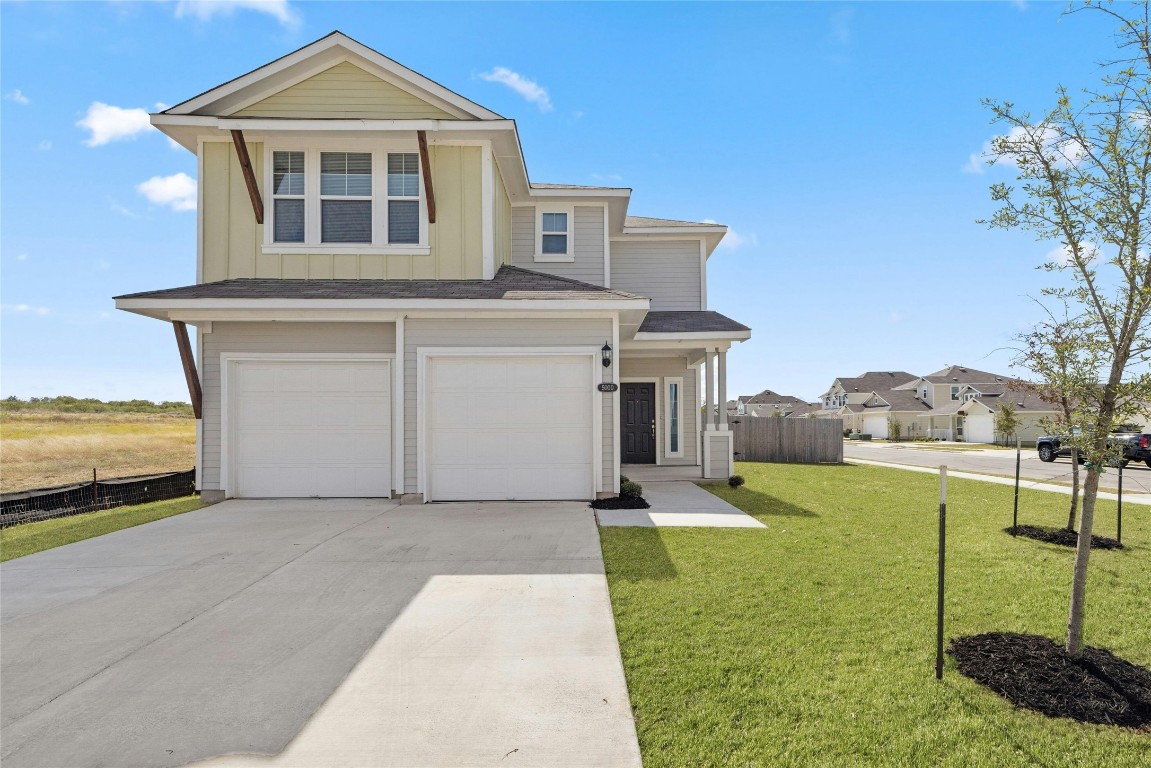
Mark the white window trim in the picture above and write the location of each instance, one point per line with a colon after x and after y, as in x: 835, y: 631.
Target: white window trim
x: 542, y: 257
x: 667, y: 382
x: 312, y: 243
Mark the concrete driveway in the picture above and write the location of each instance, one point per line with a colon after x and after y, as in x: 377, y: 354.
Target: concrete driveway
x: 318, y: 632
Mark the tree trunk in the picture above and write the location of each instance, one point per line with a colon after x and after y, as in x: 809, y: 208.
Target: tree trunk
x: 1074, y: 489
x: 1082, y: 554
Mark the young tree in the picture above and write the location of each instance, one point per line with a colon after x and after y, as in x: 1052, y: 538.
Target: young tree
x: 894, y: 428
x: 1085, y: 174
x: 1006, y: 421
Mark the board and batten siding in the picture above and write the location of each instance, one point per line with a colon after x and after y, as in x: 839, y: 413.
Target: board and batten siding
x: 246, y: 338
x: 587, y: 244
x: 661, y: 368
x: 503, y: 219
x: 345, y: 91
x: 500, y: 333
x: 233, y: 243
x: 667, y: 272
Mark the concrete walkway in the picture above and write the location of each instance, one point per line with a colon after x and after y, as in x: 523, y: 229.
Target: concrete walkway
x: 679, y: 503
x: 1128, y: 498
x: 318, y: 633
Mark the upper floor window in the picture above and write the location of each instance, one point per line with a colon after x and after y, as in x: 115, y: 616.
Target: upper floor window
x: 955, y: 392
x: 331, y: 200
x: 925, y: 393
x: 554, y: 235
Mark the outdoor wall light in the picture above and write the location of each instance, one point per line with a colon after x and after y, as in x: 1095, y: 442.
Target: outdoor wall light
x: 606, y: 354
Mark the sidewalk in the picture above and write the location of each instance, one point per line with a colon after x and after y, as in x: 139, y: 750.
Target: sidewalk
x: 1128, y: 497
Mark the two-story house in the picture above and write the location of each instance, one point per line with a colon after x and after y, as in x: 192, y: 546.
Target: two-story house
x: 386, y: 304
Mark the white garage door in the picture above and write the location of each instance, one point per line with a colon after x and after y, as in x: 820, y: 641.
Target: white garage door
x: 509, y: 428
x: 310, y: 428
x: 979, y: 429
x: 876, y: 426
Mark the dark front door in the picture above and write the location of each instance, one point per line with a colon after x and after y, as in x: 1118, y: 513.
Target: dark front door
x: 637, y: 423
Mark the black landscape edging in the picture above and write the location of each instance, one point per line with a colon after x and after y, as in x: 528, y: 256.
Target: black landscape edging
x: 1061, y: 536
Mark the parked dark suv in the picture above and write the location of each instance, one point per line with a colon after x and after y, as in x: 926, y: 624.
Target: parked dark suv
x: 1136, y: 447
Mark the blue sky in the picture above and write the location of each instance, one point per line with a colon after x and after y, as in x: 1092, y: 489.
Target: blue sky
x: 835, y: 139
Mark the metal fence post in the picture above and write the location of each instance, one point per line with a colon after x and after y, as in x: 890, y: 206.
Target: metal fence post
x: 1119, y: 525
x: 1015, y: 512
x: 942, y: 549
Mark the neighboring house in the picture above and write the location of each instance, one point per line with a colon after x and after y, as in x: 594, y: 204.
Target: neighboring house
x: 387, y: 305
x: 956, y: 403
x: 767, y: 403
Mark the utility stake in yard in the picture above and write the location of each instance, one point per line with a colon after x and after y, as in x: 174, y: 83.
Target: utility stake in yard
x: 942, y: 546
x: 1015, y: 513
x: 1119, y: 525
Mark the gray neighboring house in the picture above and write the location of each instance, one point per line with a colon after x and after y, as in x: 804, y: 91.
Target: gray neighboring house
x: 768, y: 403
x: 386, y: 305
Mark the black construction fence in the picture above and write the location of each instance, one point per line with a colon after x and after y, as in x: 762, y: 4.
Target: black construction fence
x: 76, y: 499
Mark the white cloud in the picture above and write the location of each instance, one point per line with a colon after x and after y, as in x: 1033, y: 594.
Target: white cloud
x: 1020, y: 5
x: 733, y: 240
x: 44, y: 146
x: 529, y: 89
x: 122, y: 210
x: 25, y: 309
x: 895, y: 317
x: 1061, y: 254
x: 177, y: 191
x: 607, y: 177
x: 841, y: 25
x: 18, y: 97
x: 1069, y: 152
x: 108, y: 123
x: 204, y: 10
x: 22, y: 257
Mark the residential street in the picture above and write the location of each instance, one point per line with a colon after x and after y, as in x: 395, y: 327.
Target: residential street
x: 993, y: 461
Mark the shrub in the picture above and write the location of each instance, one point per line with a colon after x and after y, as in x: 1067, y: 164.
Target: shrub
x: 847, y: 432
x: 630, y: 489
x: 735, y: 481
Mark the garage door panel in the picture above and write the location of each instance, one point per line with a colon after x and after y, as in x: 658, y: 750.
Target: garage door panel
x: 310, y: 428
x: 510, y: 428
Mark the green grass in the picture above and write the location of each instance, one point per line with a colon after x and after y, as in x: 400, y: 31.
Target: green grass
x: 27, y: 538
x: 812, y: 642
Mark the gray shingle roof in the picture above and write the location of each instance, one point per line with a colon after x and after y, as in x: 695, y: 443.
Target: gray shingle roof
x: 648, y: 221
x: 958, y: 374
x: 876, y: 381
x: 769, y: 397
x: 509, y: 283
x: 688, y: 321
x: 538, y: 185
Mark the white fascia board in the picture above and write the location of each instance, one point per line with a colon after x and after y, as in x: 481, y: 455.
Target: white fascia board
x: 607, y: 192
x: 357, y: 124
x: 694, y: 336
x: 326, y: 45
x: 193, y: 306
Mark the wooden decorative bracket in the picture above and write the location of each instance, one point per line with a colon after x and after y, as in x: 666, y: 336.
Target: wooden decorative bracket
x: 426, y: 167
x: 189, y: 362
x: 249, y: 175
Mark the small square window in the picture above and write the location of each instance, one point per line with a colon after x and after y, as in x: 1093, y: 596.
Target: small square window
x: 555, y: 233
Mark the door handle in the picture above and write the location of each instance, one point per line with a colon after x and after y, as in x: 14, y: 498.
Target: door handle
x: 653, y: 429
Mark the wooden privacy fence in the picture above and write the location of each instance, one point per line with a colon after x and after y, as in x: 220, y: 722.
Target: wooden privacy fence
x: 797, y: 441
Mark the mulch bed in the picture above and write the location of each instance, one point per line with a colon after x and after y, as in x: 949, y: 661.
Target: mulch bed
x: 1033, y: 672
x: 1061, y: 536
x: 621, y: 502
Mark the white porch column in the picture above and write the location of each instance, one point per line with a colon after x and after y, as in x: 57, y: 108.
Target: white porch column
x: 722, y: 416
x: 709, y: 389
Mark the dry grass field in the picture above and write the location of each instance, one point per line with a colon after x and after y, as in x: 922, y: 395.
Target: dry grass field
x: 40, y: 449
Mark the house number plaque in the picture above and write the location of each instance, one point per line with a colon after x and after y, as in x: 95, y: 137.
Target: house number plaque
x: 607, y: 386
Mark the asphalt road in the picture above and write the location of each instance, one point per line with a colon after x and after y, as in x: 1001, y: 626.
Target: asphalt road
x: 1136, y: 477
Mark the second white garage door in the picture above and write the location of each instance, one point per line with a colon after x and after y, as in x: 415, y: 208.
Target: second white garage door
x: 309, y: 428
x: 512, y: 427
x: 979, y: 429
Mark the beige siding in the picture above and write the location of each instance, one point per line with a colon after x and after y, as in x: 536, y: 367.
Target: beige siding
x: 674, y: 367
x: 587, y: 244
x: 345, y: 90
x: 240, y: 338
x: 719, y: 455
x: 233, y: 241
x: 503, y: 220
x: 499, y: 333
x: 667, y: 272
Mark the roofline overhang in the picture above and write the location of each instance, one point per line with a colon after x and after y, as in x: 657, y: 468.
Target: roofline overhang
x: 693, y: 337
x: 205, y: 309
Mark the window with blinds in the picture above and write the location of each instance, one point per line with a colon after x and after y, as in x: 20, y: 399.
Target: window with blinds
x: 346, y: 197
x: 288, y: 203
x: 403, y: 197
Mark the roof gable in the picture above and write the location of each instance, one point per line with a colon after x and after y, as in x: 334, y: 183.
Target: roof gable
x: 345, y: 90
x: 272, y: 79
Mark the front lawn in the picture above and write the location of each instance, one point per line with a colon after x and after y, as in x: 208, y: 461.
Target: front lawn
x: 812, y: 642
x: 27, y: 538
